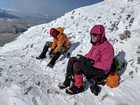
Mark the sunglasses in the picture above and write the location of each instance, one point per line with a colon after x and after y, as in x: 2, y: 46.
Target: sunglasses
x: 93, y: 34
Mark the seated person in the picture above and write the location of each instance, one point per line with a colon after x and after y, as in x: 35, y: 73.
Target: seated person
x: 96, y: 63
x: 59, y: 45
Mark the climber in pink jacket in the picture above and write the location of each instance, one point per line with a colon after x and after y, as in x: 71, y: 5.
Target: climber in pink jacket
x: 95, y: 64
x: 101, y: 51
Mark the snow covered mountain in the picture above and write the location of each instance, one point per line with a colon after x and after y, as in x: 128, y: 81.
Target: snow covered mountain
x: 27, y: 81
x: 14, y: 21
x: 16, y: 15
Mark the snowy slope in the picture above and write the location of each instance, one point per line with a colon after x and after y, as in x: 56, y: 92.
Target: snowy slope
x: 27, y: 81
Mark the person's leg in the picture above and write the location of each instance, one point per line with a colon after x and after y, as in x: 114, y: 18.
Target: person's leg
x: 94, y: 75
x: 56, y: 56
x: 62, y: 50
x: 71, y: 62
x: 53, y: 60
x: 78, y: 69
x: 48, y: 43
x: 92, y: 72
x: 77, y: 86
x: 89, y: 72
x: 69, y: 73
x: 78, y: 75
x: 44, y: 51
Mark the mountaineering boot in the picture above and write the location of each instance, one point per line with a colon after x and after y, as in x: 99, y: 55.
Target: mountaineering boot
x: 95, y: 89
x: 74, y: 90
x: 43, y: 54
x: 66, y: 83
x: 52, y: 62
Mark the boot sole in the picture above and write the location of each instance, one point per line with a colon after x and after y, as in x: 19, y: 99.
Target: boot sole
x: 62, y: 87
x: 71, y: 93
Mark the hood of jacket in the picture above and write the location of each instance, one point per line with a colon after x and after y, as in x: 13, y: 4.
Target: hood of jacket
x: 60, y: 29
x: 100, y: 30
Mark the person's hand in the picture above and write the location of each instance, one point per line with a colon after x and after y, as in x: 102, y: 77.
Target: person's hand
x: 84, y: 60
x: 52, y: 55
x: 81, y: 58
x: 89, y: 62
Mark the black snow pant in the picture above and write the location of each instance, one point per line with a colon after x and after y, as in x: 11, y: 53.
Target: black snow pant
x: 76, y: 67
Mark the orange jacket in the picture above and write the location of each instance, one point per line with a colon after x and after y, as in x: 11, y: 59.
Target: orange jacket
x: 60, y: 41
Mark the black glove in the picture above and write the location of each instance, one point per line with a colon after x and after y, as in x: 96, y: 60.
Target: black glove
x: 81, y: 58
x: 89, y: 62
x: 84, y: 60
x: 50, y: 53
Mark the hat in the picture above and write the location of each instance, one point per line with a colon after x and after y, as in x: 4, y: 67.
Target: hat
x: 53, y: 32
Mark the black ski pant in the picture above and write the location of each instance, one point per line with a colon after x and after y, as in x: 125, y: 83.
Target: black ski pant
x: 76, y: 67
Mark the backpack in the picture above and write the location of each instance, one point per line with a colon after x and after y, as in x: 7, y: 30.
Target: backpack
x: 116, y: 65
x: 112, y: 80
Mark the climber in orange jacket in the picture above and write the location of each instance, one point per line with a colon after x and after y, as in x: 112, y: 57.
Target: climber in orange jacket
x: 59, y: 45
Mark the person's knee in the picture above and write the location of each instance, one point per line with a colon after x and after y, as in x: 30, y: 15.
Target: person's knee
x: 48, y: 43
x: 72, y: 59
x: 62, y: 50
x: 77, y: 68
x: 76, y: 65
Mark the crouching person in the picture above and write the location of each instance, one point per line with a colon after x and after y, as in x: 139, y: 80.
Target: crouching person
x: 59, y: 45
x: 96, y: 63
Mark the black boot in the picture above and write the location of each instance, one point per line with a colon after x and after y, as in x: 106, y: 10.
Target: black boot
x: 74, y: 90
x: 52, y: 62
x: 43, y: 54
x: 95, y: 89
x: 66, y: 83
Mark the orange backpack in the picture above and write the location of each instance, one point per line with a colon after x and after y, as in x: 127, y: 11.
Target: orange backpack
x: 112, y: 80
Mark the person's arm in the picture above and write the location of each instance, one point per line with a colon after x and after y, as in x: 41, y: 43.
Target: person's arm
x: 86, y: 55
x: 60, y: 43
x: 106, y: 60
x: 54, y: 44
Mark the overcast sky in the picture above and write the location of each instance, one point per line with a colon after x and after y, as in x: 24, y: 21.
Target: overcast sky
x: 46, y: 6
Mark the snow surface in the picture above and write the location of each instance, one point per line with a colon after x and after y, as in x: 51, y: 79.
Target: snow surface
x: 27, y: 81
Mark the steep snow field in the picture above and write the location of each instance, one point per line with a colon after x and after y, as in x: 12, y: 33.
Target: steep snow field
x: 27, y: 81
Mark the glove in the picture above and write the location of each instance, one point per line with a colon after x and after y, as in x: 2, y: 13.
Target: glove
x: 52, y: 55
x: 81, y: 58
x: 84, y: 60
x: 51, y: 52
x: 89, y: 62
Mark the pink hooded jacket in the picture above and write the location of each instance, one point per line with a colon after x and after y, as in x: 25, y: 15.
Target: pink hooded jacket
x: 102, y: 52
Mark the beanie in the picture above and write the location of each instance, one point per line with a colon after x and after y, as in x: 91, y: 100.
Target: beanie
x: 53, y: 32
